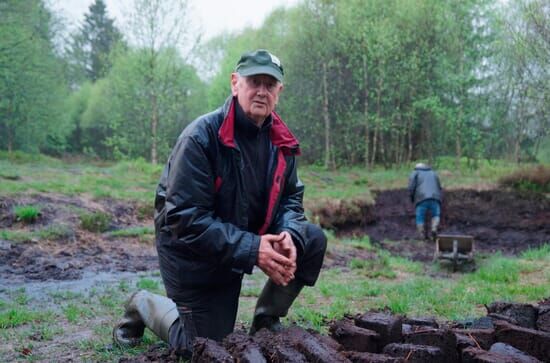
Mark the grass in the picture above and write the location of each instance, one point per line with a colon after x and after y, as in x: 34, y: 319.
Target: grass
x: 133, y: 232
x: 56, y: 232
x: 95, y: 221
x: 27, y: 213
x: 129, y: 180
x: 137, y: 179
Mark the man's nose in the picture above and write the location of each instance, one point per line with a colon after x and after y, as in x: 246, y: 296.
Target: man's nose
x: 262, y: 88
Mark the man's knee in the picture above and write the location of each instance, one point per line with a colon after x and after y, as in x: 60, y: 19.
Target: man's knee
x: 317, y: 241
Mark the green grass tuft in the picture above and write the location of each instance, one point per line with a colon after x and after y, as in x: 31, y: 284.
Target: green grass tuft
x: 95, y: 222
x: 27, y: 213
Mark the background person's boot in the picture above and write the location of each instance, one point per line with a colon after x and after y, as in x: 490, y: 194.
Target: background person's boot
x: 145, y: 309
x: 420, y: 230
x: 273, y: 304
x: 435, y: 225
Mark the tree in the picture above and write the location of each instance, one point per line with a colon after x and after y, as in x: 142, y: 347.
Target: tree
x: 32, y: 90
x: 156, y: 27
x: 89, y: 49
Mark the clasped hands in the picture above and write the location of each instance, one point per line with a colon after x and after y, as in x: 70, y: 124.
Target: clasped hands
x: 277, y: 257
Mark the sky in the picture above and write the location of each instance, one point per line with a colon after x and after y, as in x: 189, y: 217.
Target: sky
x: 215, y: 16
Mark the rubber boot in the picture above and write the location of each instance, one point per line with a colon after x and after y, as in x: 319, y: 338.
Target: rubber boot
x: 273, y: 304
x: 435, y: 225
x: 145, y: 309
x: 420, y: 230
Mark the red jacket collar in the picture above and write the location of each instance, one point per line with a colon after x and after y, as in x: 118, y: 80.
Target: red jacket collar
x: 280, y: 134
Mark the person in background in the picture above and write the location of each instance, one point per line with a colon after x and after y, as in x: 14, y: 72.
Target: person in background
x: 229, y: 199
x: 426, y: 193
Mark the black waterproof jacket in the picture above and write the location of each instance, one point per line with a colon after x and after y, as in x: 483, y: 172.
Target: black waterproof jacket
x: 201, y: 202
x: 424, y: 184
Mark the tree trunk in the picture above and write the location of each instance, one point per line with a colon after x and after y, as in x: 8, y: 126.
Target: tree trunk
x: 377, y: 132
x: 458, y: 141
x: 10, y: 139
x: 409, y: 138
x: 154, y: 103
x: 154, y: 127
x: 366, y: 112
x: 326, y: 118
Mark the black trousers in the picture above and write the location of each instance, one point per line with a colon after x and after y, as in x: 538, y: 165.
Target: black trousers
x: 210, y: 311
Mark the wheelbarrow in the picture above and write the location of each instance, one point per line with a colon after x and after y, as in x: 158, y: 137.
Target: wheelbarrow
x: 454, y: 247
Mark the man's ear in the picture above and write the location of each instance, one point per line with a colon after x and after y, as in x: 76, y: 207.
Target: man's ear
x: 234, y: 80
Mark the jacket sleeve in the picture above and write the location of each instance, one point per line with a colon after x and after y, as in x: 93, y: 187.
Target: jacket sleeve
x: 290, y: 213
x: 412, y: 185
x: 190, y: 206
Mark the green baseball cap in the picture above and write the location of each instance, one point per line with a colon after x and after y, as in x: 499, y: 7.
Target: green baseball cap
x: 260, y: 62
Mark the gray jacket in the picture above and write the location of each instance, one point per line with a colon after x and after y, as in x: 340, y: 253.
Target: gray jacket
x: 424, y: 184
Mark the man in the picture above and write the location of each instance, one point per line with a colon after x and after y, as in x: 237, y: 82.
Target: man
x: 229, y: 198
x: 425, y: 192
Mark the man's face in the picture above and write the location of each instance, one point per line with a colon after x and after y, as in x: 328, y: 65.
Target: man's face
x: 256, y: 94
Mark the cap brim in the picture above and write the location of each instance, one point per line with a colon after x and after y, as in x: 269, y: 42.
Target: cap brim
x: 270, y: 71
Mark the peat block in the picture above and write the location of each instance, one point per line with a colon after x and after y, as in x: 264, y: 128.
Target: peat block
x: 421, y: 321
x: 481, y: 338
x: 275, y: 350
x: 366, y: 357
x: 524, y: 315
x: 532, y: 342
x: 388, y: 326
x: 209, y: 351
x: 509, y: 351
x: 543, y: 320
x: 243, y: 348
x: 477, y: 355
x: 325, y: 339
x: 352, y: 337
x: 311, y: 347
x: 444, y: 339
x: 413, y: 353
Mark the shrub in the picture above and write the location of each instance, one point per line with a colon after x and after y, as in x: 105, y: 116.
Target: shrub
x: 95, y: 222
x: 534, y: 179
x: 27, y: 213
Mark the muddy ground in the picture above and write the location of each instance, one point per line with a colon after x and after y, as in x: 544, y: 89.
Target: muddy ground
x: 500, y: 221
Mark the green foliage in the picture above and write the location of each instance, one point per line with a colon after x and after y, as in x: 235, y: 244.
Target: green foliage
x: 27, y: 213
x: 498, y: 270
x: 16, y: 316
x: 378, y: 267
x: 89, y: 52
x: 95, y: 221
x: 32, y: 106
x: 541, y: 253
x: 132, y: 232
x: 148, y: 284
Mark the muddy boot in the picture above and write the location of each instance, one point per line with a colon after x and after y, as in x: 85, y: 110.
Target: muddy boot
x: 435, y: 224
x: 420, y: 230
x: 273, y: 304
x: 145, y: 309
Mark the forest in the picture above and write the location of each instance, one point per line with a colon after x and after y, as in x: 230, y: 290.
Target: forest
x: 367, y: 82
